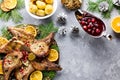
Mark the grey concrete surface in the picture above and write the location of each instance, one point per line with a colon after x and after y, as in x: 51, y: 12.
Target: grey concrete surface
x: 83, y: 57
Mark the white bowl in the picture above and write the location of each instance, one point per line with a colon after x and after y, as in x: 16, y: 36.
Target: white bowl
x: 40, y: 17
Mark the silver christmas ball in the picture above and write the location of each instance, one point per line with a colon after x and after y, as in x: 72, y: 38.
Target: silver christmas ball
x: 116, y: 2
x: 104, y: 6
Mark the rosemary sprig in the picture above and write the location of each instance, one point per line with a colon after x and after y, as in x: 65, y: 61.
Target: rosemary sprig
x: 14, y: 13
x: 94, y: 7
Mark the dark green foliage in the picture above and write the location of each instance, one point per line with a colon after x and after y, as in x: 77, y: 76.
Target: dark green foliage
x: 46, y: 29
x: 94, y: 7
x: 13, y: 14
x: 48, y: 75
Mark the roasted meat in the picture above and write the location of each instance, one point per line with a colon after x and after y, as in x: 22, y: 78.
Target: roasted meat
x: 23, y: 72
x: 46, y: 65
x: 41, y: 47
x: 21, y: 34
x: 13, y: 44
x: 10, y: 62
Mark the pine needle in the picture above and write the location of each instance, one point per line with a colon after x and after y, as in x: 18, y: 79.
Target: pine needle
x: 94, y: 7
x: 14, y: 13
x: 6, y: 33
x: 46, y: 29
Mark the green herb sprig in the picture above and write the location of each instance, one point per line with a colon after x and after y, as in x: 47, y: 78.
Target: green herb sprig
x: 14, y: 13
x: 46, y: 29
x: 6, y: 33
x: 49, y: 75
x: 94, y: 7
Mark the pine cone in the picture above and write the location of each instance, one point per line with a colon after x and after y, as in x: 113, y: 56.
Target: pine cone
x: 116, y: 2
x: 103, y: 6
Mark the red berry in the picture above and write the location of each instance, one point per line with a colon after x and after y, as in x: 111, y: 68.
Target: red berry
x: 89, y: 20
x: 93, y: 31
x: 89, y: 26
x: 82, y: 22
x: 97, y: 30
x: 85, y: 27
x: 93, y: 20
x: 89, y: 30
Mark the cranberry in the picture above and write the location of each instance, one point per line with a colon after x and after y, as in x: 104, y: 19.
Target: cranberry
x: 88, y: 20
x: 97, y: 30
x: 93, y: 20
x: 93, y: 31
x: 96, y: 25
x: 85, y: 27
x: 82, y: 22
x: 94, y: 28
x: 89, y: 26
x: 89, y: 30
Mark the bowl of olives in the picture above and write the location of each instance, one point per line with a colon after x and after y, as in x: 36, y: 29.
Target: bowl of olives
x: 41, y: 9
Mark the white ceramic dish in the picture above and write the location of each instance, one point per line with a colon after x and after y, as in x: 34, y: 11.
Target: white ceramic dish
x: 38, y: 17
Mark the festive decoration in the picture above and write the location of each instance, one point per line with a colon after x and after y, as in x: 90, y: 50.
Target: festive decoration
x: 62, y: 31
x: 116, y: 2
x: 61, y: 19
x: 103, y: 6
x: 74, y: 29
x: 13, y: 14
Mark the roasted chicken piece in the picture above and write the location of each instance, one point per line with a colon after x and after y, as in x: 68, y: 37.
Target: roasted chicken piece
x: 46, y: 65
x: 21, y: 34
x: 41, y: 47
x: 23, y: 72
x: 10, y: 62
x: 13, y: 44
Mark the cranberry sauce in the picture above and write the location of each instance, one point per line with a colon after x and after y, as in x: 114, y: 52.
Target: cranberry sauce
x: 91, y: 24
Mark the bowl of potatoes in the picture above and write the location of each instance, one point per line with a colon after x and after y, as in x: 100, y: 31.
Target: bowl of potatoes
x: 41, y: 9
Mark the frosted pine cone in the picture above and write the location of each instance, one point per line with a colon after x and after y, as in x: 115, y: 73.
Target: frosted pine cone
x: 103, y: 6
x: 116, y: 2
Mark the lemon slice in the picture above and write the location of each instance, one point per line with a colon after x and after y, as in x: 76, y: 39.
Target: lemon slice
x: 31, y: 56
x: 10, y: 4
x: 30, y: 29
x: 53, y: 55
x: 3, y: 41
x: 36, y: 75
x: 115, y: 24
x: 1, y: 70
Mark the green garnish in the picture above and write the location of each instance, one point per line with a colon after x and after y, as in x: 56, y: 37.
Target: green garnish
x: 94, y: 7
x: 46, y: 29
x: 14, y: 13
x: 6, y: 33
x: 48, y: 75
x: 54, y: 46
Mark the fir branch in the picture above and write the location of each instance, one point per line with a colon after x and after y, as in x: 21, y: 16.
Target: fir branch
x: 48, y: 75
x: 54, y: 46
x: 46, y: 29
x: 16, y: 17
x: 13, y: 14
x: 92, y: 6
x: 20, y: 4
x: 6, y: 33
